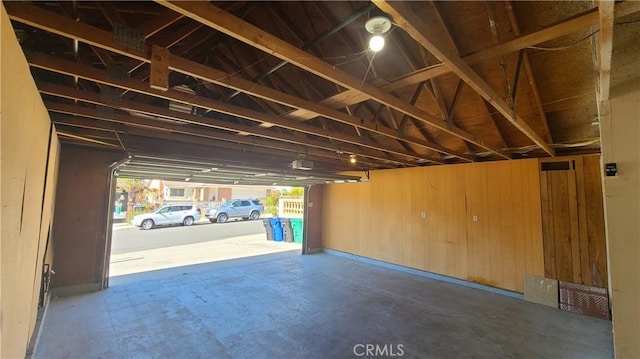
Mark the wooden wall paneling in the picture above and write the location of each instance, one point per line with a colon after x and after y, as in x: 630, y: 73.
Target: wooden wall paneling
x: 338, y: 231
x: 508, y: 220
x: 366, y: 217
x: 45, y: 219
x: 330, y: 217
x: 595, y: 222
x: 459, y: 224
x: 582, y: 221
x: 477, y: 230
x: 518, y: 223
x: 534, y: 244
x: 561, y: 224
x: 574, y: 238
x: 436, y: 220
x: 493, y: 219
x: 573, y: 217
x: 419, y: 233
x: 503, y: 245
x: 547, y: 227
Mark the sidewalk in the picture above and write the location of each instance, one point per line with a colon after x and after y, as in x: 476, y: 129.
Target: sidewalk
x: 196, y: 253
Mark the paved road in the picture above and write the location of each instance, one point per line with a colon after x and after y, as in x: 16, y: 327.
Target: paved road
x: 129, y: 238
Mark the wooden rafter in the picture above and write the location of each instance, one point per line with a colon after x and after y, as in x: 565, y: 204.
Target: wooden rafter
x: 526, y: 63
x: 565, y: 27
x: 118, y: 118
x: 93, y: 98
x: 91, y: 35
x: 428, y: 38
x: 222, y: 21
x: 605, y: 43
x: 147, y: 128
x: 158, y: 23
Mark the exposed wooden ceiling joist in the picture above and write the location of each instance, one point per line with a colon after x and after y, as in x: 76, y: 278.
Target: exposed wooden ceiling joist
x: 37, y: 17
x: 87, y: 118
x: 565, y: 27
x: 93, y: 98
x: 430, y: 38
x: 605, y: 37
x: 220, y: 20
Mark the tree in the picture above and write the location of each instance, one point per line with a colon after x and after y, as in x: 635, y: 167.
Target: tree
x: 294, y: 192
x: 134, y: 188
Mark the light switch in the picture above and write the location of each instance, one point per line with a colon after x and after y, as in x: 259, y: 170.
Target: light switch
x: 423, y: 214
x: 475, y: 218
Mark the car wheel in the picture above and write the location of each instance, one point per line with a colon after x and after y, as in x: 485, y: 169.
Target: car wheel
x: 254, y: 215
x: 212, y: 220
x: 146, y: 224
x: 188, y: 221
x: 222, y: 217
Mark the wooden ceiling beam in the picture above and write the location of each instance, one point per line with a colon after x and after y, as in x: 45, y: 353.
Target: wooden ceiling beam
x: 605, y: 44
x: 562, y: 28
x: 110, y: 12
x: 94, y: 98
x: 158, y: 23
x: 222, y: 21
x: 526, y: 62
x: 51, y: 22
x: 196, y: 137
x: 118, y: 119
x: 428, y: 38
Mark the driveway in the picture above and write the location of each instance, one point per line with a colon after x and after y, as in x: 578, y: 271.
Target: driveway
x: 127, y: 238
x: 135, y: 250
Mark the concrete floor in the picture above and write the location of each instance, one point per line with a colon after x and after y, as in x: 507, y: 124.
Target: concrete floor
x: 285, y: 305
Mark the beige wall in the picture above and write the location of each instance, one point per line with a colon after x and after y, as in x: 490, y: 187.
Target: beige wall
x: 28, y: 169
x: 482, y: 221
x: 620, y: 144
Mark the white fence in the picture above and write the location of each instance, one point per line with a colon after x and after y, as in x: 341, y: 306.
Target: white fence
x: 291, y: 207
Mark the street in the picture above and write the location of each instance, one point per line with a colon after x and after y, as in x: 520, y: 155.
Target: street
x: 129, y: 239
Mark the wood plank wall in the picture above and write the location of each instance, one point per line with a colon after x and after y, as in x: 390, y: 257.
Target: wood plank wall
x: 573, y: 222
x: 482, y: 220
x: 28, y: 159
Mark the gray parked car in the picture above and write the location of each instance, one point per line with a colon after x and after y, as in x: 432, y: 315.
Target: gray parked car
x: 173, y: 214
x: 236, y: 208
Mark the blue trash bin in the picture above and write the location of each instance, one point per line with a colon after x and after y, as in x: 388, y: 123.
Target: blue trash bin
x: 278, y: 236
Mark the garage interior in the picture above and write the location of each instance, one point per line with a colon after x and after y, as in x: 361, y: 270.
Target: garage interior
x: 486, y: 144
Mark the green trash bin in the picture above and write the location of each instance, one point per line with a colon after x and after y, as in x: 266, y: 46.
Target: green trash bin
x: 296, y: 225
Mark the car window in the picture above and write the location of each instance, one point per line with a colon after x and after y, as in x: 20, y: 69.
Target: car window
x: 164, y: 210
x: 256, y: 202
x: 245, y: 203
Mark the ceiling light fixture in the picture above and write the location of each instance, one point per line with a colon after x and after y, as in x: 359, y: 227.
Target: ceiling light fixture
x: 377, y: 25
x: 353, y: 159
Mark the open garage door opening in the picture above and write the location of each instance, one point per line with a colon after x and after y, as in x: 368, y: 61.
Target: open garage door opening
x: 171, y: 213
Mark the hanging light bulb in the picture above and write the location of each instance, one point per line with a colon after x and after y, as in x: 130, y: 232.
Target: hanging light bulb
x: 377, y: 25
x: 376, y: 43
x: 353, y: 159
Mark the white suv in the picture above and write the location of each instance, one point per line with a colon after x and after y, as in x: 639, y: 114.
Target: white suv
x: 173, y: 214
